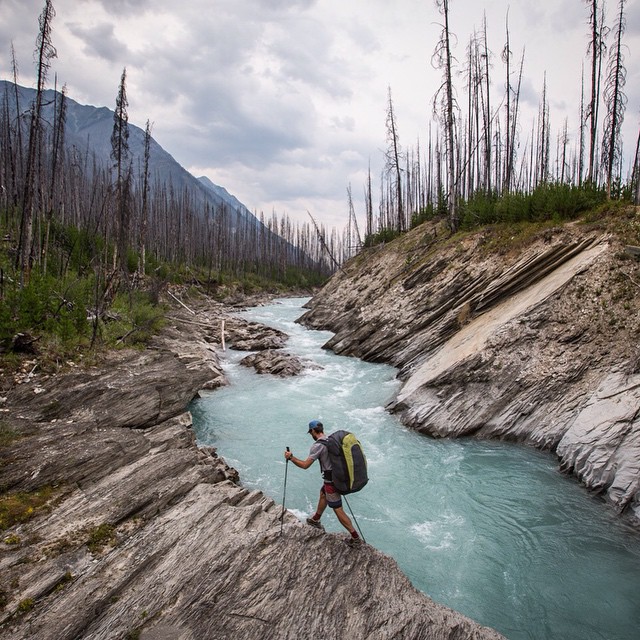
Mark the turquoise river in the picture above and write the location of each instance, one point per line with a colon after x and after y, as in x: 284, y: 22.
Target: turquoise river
x: 490, y: 529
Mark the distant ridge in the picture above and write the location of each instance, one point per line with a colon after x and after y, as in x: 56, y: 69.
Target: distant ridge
x: 224, y: 195
x: 88, y: 131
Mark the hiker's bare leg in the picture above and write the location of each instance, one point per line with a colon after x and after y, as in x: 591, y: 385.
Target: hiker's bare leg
x: 322, y: 504
x: 344, y: 519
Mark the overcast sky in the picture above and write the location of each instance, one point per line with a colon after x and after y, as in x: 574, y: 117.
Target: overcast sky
x: 283, y: 102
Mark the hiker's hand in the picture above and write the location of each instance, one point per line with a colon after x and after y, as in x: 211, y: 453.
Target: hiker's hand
x: 288, y: 455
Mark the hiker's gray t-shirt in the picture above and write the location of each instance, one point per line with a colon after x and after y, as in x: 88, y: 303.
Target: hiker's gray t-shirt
x: 321, y: 452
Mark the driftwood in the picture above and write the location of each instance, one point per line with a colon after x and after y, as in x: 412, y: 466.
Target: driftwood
x: 182, y: 303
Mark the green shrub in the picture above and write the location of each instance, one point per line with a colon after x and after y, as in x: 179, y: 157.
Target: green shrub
x: 134, y: 321
x: 384, y: 235
x: 547, y: 202
x: 23, y: 505
x: 46, y: 305
x: 100, y: 537
x: 24, y: 606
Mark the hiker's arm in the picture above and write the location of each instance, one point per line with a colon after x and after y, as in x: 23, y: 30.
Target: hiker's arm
x: 303, y: 464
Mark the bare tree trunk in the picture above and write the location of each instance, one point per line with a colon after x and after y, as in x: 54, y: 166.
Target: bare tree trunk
x: 487, y: 112
x: 616, y: 102
x: 506, y: 57
x: 19, y: 160
x: 544, y: 137
x: 394, y: 156
x: 514, y: 124
x: 369, y: 203
x: 144, y: 221
x: 635, y: 179
x: 443, y: 58
x: 597, y: 48
x: 57, y: 151
x: 44, y: 52
x: 582, y: 123
x: 565, y: 138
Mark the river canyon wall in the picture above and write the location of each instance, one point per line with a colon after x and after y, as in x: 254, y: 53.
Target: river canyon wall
x: 533, y: 340
x: 135, y: 532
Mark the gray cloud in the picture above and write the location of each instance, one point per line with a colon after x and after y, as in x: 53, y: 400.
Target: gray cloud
x: 120, y: 8
x: 283, y: 101
x: 100, y: 41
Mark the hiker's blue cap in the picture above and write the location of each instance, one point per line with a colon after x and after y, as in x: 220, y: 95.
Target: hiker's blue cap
x: 314, y: 424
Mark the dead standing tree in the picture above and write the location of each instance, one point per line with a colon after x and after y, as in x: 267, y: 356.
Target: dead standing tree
x: 15, y: 148
x: 442, y: 59
x: 144, y: 213
x: 615, y: 100
x: 45, y: 51
x: 512, y: 99
x: 393, y: 158
x: 57, y: 170
x: 368, y: 198
x: 597, y: 49
x: 635, y: 175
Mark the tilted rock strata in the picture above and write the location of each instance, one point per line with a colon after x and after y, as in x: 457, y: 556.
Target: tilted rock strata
x: 540, y: 347
x: 149, y: 536
x: 214, y: 565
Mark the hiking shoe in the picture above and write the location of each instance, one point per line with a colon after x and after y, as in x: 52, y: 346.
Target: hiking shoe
x: 315, y: 523
x: 354, y: 542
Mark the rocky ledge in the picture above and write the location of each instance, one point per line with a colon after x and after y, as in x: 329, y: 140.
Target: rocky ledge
x: 538, y: 344
x: 136, y: 532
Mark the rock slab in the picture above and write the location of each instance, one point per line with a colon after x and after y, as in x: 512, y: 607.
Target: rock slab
x: 148, y: 536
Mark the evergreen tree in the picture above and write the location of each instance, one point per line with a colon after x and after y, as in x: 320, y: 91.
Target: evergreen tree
x: 120, y: 157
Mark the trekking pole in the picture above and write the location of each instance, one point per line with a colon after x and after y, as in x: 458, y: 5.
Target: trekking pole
x: 284, y: 493
x: 354, y: 519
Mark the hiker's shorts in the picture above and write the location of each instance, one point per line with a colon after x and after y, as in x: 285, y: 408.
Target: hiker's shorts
x: 333, y: 497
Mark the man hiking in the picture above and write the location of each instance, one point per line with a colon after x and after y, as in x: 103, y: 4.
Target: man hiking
x: 328, y: 493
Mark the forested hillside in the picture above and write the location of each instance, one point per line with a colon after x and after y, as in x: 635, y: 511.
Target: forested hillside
x: 96, y: 218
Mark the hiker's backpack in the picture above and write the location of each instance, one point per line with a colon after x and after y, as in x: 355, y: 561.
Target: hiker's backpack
x: 348, y: 462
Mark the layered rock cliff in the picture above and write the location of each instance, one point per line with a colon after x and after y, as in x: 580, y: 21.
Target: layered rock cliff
x: 136, y: 532
x: 532, y: 340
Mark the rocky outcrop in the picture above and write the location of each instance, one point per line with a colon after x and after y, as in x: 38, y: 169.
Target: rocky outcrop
x: 537, y: 345
x: 244, y: 335
x: 146, y: 535
x: 275, y: 362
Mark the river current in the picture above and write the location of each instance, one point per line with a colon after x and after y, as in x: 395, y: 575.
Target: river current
x: 492, y: 530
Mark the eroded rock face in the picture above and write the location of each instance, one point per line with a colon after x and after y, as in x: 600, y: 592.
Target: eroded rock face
x: 146, y: 535
x: 540, y: 347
